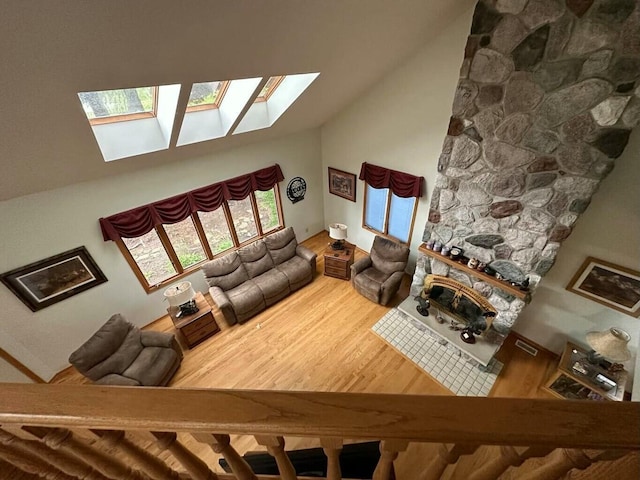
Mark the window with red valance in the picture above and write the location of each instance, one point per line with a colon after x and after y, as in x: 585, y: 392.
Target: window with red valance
x: 390, y: 201
x: 163, y: 240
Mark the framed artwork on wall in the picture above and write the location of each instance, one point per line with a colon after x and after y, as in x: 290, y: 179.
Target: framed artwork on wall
x: 342, y: 184
x: 611, y: 285
x: 45, y: 282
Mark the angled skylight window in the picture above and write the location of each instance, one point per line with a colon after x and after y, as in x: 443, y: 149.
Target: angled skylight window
x: 206, y: 95
x: 269, y: 88
x: 221, y: 102
x: 108, y: 106
x: 276, y: 95
x: 131, y: 121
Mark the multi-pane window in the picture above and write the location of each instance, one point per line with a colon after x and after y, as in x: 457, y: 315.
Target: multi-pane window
x: 171, y: 250
x: 107, y: 106
x: 388, y: 214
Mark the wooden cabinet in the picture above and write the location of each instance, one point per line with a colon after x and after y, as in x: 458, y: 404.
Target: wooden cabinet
x: 577, y: 379
x: 193, y: 329
x: 337, y: 263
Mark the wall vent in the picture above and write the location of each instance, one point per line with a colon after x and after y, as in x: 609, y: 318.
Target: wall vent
x: 526, y: 347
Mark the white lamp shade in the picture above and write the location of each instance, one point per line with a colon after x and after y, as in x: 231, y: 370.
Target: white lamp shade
x: 179, y: 294
x: 338, y: 231
x: 611, y: 344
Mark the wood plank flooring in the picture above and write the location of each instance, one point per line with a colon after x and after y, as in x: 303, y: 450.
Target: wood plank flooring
x: 320, y: 339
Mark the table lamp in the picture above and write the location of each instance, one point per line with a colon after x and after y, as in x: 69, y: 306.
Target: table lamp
x: 338, y: 232
x: 183, y: 297
x: 610, y: 344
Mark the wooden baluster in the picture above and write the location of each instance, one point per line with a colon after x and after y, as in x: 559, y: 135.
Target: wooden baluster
x: 63, y: 461
x: 198, y: 469
x: 64, y: 439
x: 448, y: 454
x: 562, y: 460
x: 221, y: 444
x: 31, y: 463
x: 507, y: 456
x: 150, y: 464
x: 275, y: 447
x: 389, y: 450
x: 332, y: 448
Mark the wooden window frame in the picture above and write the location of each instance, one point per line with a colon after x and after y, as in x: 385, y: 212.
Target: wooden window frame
x: 129, y: 116
x: 210, y: 106
x: 385, y: 233
x: 276, y: 84
x: 173, y: 256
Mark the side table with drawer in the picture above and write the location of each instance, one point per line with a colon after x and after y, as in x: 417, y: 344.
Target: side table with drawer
x: 195, y: 328
x: 337, y: 263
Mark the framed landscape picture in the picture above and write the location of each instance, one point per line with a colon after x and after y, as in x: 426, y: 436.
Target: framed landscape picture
x: 342, y: 184
x: 611, y: 285
x: 45, y: 282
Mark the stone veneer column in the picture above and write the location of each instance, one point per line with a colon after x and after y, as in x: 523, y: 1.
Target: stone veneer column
x: 548, y: 94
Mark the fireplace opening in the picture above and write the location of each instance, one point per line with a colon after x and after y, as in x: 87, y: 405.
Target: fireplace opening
x: 463, y: 303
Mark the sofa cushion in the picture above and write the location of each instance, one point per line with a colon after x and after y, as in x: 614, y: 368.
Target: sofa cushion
x: 226, y: 272
x: 298, y: 272
x: 256, y: 258
x: 246, y: 297
x: 281, y: 245
x: 101, y: 345
x: 152, y: 365
x: 273, y: 284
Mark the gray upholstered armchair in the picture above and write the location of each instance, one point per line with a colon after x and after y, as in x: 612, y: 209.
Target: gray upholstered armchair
x: 378, y: 276
x: 119, y: 353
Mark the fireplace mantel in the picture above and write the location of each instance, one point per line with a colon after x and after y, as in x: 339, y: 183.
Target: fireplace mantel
x: 503, y: 285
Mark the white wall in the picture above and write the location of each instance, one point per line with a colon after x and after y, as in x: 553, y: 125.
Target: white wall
x: 44, y: 224
x: 608, y: 230
x: 399, y: 124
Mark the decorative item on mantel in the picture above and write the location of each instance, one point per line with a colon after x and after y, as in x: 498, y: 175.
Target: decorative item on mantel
x: 338, y: 232
x: 182, y: 296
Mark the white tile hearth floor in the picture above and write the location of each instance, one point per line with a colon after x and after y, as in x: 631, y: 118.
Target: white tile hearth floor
x: 412, y: 339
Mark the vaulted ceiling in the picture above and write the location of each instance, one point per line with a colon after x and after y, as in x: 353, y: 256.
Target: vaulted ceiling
x: 52, y: 50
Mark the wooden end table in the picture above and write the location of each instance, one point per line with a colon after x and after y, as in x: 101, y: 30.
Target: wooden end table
x: 337, y: 263
x: 193, y: 329
x: 577, y: 379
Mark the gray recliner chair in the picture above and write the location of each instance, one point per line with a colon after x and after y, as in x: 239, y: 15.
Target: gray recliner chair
x: 378, y: 276
x: 119, y: 353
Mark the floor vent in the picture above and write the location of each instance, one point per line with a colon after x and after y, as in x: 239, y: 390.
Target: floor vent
x: 527, y: 348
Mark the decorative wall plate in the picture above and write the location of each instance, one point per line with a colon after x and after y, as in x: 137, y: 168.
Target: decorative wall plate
x: 296, y: 189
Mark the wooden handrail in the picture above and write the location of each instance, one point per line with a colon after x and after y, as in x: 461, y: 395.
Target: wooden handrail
x: 439, y: 419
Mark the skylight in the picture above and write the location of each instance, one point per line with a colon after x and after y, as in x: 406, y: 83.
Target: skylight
x: 206, y: 95
x: 269, y: 88
x: 275, y: 97
x: 131, y: 121
x: 106, y: 106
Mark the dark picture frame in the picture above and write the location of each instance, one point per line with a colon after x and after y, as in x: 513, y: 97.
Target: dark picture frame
x: 342, y: 184
x: 51, y: 280
x: 608, y: 284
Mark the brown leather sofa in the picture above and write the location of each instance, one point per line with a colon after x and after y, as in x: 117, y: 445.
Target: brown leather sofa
x: 245, y: 282
x: 119, y: 353
x: 378, y: 276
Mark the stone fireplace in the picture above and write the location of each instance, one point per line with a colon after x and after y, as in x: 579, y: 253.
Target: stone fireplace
x: 549, y: 92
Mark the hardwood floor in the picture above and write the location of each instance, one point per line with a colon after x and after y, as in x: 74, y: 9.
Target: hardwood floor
x: 320, y: 339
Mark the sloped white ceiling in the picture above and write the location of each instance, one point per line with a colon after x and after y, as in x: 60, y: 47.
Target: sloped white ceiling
x: 52, y: 50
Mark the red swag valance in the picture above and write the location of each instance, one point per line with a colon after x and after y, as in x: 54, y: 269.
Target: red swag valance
x: 402, y: 184
x: 138, y: 221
